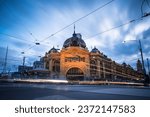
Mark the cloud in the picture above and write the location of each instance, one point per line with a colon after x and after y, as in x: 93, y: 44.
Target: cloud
x: 138, y: 30
x: 44, y: 18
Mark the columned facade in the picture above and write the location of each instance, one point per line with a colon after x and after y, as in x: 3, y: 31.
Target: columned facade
x: 75, y: 62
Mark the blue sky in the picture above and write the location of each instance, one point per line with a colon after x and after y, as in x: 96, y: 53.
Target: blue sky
x: 20, y: 18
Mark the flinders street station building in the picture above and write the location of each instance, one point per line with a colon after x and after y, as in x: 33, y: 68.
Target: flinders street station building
x: 75, y: 62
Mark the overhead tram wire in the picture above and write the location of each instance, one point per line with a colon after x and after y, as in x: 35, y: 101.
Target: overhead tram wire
x: 35, y: 39
x: 20, y: 39
x: 131, y: 21
x: 78, y: 20
x: 14, y: 15
x: 73, y: 22
x: 121, y: 25
x: 17, y: 38
x: 113, y: 28
x: 30, y: 33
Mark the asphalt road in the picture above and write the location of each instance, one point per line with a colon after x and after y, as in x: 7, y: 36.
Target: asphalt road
x: 17, y: 91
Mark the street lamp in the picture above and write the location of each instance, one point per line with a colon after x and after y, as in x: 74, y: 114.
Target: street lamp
x: 143, y: 66
x: 140, y: 48
x: 148, y: 68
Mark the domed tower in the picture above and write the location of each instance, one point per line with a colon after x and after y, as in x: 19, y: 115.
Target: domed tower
x: 53, y: 50
x: 76, y: 41
x: 52, y: 62
x: 95, y: 50
x: 74, y: 58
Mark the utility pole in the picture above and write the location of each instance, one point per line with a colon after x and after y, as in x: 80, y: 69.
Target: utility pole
x: 140, y: 48
x: 146, y: 80
x: 24, y: 61
x: 148, y: 69
x: 23, y: 65
x: 5, y: 62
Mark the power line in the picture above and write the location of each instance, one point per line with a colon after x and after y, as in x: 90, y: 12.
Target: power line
x: 21, y: 39
x: 113, y: 28
x: 60, y: 29
x: 73, y: 22
x: 14, y: 15
x: 78, y: 19
x: 121, y: 25
x: 14, y: 37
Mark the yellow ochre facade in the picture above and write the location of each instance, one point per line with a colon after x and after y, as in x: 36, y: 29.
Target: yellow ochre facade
x: 75, y: 62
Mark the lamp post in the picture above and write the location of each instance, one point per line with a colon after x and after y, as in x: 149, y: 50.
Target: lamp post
x: 148, y: 69
x: 143, y: 66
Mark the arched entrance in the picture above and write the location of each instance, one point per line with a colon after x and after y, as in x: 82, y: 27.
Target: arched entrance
x: 75, y: 74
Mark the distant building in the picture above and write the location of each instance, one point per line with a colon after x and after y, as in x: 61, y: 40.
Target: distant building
x: 76, y: 62
x: 38, y: 70
x: 22, y: 68
x: 139, y: 66
x: 23, y: 72
x: 39, y: 64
